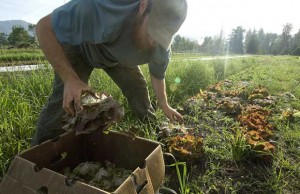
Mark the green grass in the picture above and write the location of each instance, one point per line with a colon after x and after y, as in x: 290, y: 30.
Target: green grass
x: 21, y: 56
x: 225, y: 167
x: 22, y: 96
x: 19, y: 51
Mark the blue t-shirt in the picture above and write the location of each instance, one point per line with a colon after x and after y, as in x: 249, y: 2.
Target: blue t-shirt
x: 103, y: 30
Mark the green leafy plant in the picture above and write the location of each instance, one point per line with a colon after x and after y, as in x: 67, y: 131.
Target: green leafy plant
x: 181, y: 174
x: 239, y: 147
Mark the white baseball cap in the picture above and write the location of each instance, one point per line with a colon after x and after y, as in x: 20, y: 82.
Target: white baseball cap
x: 165, y: 19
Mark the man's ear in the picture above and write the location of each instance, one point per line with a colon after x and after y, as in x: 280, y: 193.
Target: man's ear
x: 143, y: 6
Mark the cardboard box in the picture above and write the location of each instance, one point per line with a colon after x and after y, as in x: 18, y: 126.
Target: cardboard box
x: 38, y: 170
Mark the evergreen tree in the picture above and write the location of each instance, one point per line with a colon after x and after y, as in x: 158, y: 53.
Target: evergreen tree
x: 236, y: 40
x: 262, y: 48
x: 218, y: 44
x: 296, y: 44
x: 207, y: 45
x: 269, y: 43
x: 251, y: 42
x: 182, y: 44
x: 286, y: 38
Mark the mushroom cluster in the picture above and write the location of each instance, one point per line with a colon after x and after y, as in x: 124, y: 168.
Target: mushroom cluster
x: 245, y: 105
x: 99, y: 111
x: 105, y: 176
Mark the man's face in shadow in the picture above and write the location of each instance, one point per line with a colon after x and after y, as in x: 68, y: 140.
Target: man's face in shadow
x: 141, y: 37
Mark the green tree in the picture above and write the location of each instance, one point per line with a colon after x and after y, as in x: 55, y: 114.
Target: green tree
x: 261, y: 41
x: 3, y: 39
x: 268, y: 43
x: 182, y: 44
x: 236, y: 40
x: 251, y: 42
x: 296, y: 44
x: 19, y: 37
x: 218, y: 44
x: 286, y: 38
x: 207, y: 45
x: 214, y: 45
x: 31, y: 28
x: 247, y: 38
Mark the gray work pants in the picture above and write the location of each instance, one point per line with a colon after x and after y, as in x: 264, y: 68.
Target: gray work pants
x: 130, y: 80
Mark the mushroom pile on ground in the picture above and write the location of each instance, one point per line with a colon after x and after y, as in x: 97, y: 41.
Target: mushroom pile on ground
x: 184, y: 143
x: 251, y: 108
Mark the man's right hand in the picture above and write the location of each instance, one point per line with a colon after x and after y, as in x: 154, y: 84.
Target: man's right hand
x: 72, y: 95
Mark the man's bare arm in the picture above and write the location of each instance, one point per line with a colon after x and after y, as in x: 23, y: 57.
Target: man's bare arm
x: 159, y: 87
x: 53, y: 51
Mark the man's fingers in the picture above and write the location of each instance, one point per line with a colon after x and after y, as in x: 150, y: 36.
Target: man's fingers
x: 73, y: 91
x: 68, y: 105
x: 177, y: 118
x: 94, y: 93
x: 77, y: 103
x: 180, y: 118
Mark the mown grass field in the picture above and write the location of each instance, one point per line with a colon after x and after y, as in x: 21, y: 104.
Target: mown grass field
x: 21, y: 57
x: 225, y: 166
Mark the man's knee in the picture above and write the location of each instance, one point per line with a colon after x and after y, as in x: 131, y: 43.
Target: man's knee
x: 143, y: 111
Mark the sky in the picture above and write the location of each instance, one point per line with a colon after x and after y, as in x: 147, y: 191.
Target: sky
x: 204, y: 17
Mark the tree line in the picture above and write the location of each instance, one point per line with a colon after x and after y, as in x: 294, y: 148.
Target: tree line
x: 241, y: 41
x: 19, y: 37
